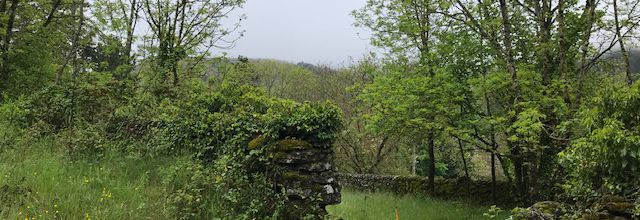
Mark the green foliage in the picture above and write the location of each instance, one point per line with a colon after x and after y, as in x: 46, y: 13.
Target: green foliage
x: 189, y: 189
x: 87, y: 99
x: 606, y: 155
x: 493, y: 212
x: 13, y: 119
x: 85, y: 140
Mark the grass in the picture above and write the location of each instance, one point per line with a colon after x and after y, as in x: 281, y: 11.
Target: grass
x: 41, y: 182
x: 357, y: 205
x: 38, y: 180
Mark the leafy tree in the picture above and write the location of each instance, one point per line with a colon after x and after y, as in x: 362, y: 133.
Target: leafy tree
x: 408, y: 29
x: 605, y: 157
x: 181, y: 28
x: 508, y: 77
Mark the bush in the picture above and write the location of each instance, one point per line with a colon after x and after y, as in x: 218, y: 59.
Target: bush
x: 188, y: 184
x: 85, y: 140
x: 89, y: 99
x: 13, y: 119
x: 606, y: 157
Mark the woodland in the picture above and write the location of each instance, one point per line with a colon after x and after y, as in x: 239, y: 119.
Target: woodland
x: 121, y: 109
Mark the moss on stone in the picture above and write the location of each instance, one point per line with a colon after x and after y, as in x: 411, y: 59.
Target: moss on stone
x: 257, y: 142
x: 619, y: 207
x: 295, y: 176
x: 279, y: 155
x: 548, y: 207
x: 292, y: 144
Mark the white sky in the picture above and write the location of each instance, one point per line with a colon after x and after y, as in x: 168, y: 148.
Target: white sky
x: 313, y: 31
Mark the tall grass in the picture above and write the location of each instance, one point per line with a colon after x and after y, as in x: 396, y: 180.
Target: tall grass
x: 357, y: 205
x: 40, y: 182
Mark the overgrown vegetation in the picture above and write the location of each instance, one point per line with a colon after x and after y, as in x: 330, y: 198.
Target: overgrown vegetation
x: 100, y: 121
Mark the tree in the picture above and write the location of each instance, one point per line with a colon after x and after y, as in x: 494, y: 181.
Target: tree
x: 516, y: 86
x: 36, y: 41
x: 407, y: 29
x: 548, y: 96
x: 184, y: 27
x: 118, y: 21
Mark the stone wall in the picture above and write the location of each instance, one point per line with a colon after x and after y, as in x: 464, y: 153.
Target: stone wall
x: 478, y: 190
x: 305, y: 170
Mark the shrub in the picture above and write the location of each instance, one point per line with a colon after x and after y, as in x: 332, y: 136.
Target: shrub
x: 606, y: 156
x: 188, y: 185
x: 89, y: 99
x: 85, y: 140
x: 12, y: 119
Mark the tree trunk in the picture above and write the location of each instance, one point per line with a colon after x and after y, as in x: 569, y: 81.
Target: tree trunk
x: 432, y: 163
x: 131, y: 25
x: 54, y: 8
x: 414, y: 160
x: 623, y: 50
x: 174, y: 70
x: 3, y: 6
x: 9, y: 32
x: 520, y: 175
x: 466, y: 168
x: 4, y: 48
x: 76, y: 59
x: 493, y: 178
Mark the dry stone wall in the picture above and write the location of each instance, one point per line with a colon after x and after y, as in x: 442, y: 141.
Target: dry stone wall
x: 305, y: 171
x: 478, y: 191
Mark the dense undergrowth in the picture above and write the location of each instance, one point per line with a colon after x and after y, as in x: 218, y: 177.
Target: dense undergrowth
x: 85, y: 150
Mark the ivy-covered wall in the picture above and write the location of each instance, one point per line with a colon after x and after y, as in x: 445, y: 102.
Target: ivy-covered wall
x: 478, y: 190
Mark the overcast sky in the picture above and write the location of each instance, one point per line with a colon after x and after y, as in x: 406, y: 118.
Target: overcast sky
x: 313, y: 31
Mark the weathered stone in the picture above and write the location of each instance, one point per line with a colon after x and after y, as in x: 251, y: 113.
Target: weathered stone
x: 612, y: 198
x: 308, y: 177
x: 315, y: 167
x: 619, y: 207
x: 301, y: 156
x: 595, y: 216
x: 616, y: 206
x: 292, y: 145
x: 257, y: 142
x: 549, y: 207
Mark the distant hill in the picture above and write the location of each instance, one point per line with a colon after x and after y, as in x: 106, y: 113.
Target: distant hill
x: 634, y: 60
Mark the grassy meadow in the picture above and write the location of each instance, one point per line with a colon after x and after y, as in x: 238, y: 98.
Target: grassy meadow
x: 41, y: 182
x: 358, y: 205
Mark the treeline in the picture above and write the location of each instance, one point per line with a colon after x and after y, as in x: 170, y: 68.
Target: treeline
x: 61, y: 40
x: 524, y: 82
x: 521, y: 80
